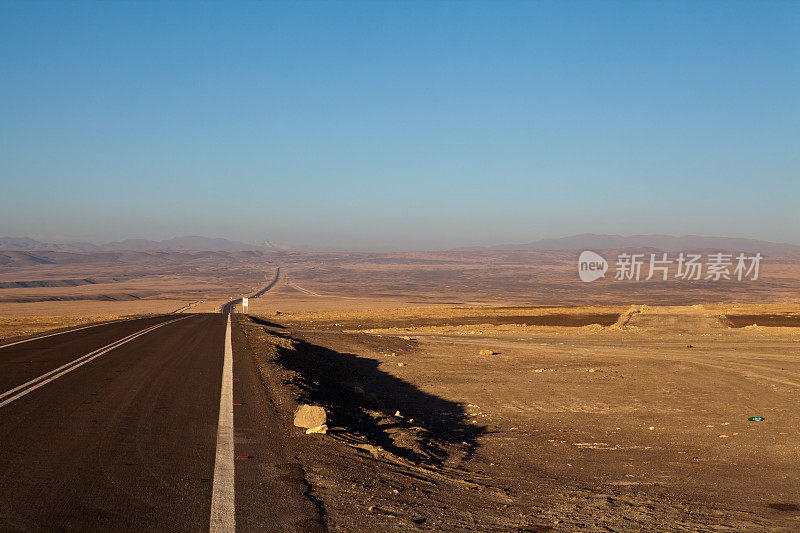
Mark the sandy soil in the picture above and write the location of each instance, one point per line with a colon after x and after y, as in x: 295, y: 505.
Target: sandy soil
x: 595, y: 412
x: 17, y: 327
x: 324, y: 282
x: 634, y: 426
x: 126, y: 283
x: 521, y: 278
x: 83, y: 308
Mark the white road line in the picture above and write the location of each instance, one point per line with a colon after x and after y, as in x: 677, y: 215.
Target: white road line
x: 78, y: 360
x: 223, y: 502
x: 48, y: 377
x: 54, y: 334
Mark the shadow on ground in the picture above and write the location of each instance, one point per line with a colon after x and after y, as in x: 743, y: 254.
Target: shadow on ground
x: 266, y: 323
x: 362, y: 399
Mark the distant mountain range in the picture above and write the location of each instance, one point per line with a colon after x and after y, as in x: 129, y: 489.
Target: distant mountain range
x: 586, y: 241
x: 177, y: 244
x: 666, y: 243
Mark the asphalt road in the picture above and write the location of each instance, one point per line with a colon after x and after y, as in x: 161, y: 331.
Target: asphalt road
x: 228, y: 307
x: 128, y: 438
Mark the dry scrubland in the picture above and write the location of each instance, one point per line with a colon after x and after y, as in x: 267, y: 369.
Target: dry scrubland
x: 137, y: 281
x: 515, y: 278
x: 56, y: 283
x: 46, y: 290
x: 593, y: 412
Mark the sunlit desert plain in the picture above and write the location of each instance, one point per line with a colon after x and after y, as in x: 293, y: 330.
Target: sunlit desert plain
x: 488, y: 390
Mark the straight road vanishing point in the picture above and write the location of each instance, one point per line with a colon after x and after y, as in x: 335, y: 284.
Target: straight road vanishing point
x: 129, y: 426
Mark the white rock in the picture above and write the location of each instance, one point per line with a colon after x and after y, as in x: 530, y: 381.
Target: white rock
x: 310, y: 416
x: 319, y: 429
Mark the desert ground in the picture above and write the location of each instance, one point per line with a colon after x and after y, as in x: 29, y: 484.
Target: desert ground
x: 637, y: 425
x: 488, y: 391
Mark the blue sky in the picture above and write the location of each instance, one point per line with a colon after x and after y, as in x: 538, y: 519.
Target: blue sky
x: 412, y: 125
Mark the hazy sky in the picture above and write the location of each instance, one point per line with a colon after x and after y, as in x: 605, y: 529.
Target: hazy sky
x: 399, y: 125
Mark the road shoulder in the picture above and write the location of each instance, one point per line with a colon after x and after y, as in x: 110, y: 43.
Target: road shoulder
x: 271, y: 486
x: 373, y: 471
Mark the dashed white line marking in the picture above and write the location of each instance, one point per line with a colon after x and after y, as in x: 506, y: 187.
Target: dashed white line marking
x: 223, y: 501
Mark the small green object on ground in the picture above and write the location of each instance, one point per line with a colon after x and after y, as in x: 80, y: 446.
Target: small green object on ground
x: 756, y: 419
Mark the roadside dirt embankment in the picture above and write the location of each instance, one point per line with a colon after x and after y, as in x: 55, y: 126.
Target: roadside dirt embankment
x: 376, y: 468
x: 692, y: 318
x: 522, y: 428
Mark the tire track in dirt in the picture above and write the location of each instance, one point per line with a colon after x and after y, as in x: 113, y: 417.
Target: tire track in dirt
x: 316, y: 294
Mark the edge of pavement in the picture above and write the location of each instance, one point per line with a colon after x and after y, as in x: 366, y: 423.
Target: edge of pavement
x: 361, y: 473
x: 269, y: 469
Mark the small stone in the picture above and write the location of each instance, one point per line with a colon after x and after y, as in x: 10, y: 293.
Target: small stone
x: 397, y: 413
x: 487, y: 352
x: 310, y: 416
x: 401, y: 364
x: 319, y: 429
